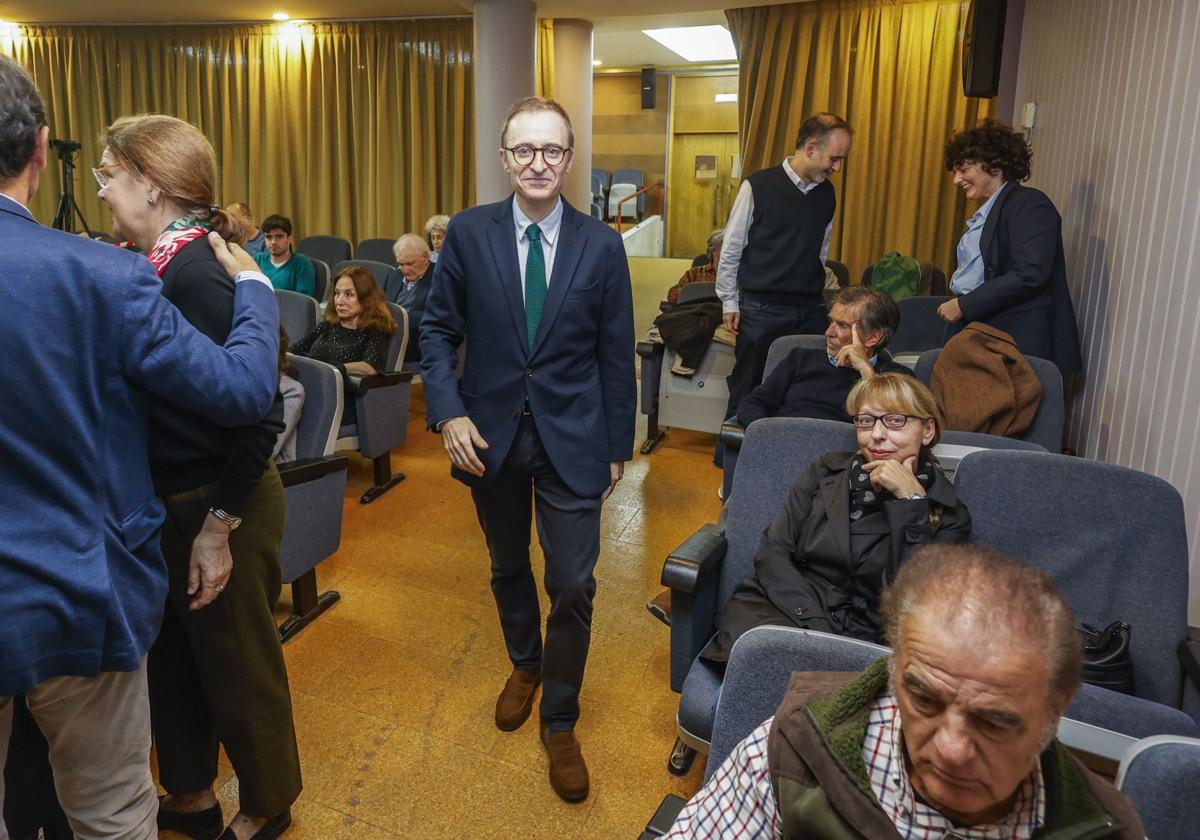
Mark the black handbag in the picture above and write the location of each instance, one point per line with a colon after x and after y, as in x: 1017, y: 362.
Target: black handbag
x: 1106, y: 659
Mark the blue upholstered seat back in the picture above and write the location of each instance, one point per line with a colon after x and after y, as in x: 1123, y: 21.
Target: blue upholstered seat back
x: 1113, y: 539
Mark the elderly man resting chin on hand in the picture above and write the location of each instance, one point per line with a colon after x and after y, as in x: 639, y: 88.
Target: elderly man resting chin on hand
x: 950, y: 736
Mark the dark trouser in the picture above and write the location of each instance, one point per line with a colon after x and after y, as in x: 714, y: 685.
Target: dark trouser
x: 568, y: 528
x: 217, y: 674
x: 761, y: 324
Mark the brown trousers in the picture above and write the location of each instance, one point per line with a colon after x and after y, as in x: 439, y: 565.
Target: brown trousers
x: 217, y: 675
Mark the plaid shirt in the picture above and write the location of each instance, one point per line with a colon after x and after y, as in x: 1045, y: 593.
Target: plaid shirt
x: 738, y: 803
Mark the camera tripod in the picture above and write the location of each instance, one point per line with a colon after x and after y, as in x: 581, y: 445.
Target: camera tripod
x: 68, y: 209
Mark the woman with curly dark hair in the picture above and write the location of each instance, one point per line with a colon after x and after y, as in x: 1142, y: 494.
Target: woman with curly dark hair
x: 1011, y: 271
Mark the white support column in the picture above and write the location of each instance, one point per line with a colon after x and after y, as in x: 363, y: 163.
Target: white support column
x: 505, y: 44
x: 573, y: 90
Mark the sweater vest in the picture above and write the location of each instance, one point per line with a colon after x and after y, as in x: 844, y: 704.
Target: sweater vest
x: 781, y: 261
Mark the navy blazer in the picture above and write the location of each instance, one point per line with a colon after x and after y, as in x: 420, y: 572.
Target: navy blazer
x: 87, y: 339
x: 1025, y: 289
x: 579, y: 375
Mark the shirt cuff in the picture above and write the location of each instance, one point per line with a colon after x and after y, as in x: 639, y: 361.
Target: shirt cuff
x: 729, y: 306
x: 253, y: 275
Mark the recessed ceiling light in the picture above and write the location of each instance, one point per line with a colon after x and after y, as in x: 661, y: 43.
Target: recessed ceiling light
x: 725, y: 97
x: 596, y: 62
x: 280, y: 16
x: 696, y: 43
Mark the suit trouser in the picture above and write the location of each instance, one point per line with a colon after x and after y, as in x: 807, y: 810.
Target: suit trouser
x: 759, y: 325
x: 98, y: 731
x: 29, y: 799
x: 217, y: 674
x: 568, y: 528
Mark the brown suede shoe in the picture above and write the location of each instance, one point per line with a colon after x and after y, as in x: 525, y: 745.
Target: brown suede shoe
x: 568, y: 772
x: 516, y: 700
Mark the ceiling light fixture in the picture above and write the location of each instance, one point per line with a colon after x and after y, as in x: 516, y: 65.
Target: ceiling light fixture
x: 280, y: 16
x: 696, y: 43
x: 596, y: 62
x: 725, y: 97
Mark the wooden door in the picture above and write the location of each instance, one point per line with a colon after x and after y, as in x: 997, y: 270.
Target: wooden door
x: 702, y: 188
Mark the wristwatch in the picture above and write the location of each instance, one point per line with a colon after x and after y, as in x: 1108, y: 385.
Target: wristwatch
x: 227, y: 519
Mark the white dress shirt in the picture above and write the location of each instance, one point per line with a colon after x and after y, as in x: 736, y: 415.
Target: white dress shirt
x: 737, y: 232
x: 549, y: 227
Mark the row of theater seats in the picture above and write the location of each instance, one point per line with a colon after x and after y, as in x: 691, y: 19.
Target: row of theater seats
x: 932, y: 279
x: 315, y: 483
x: 608, y: 190
x: 1113, y: 539
x: 335, y: 249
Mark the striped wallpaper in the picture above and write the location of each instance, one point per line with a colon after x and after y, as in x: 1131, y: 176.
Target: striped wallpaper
x: 1117, y: 87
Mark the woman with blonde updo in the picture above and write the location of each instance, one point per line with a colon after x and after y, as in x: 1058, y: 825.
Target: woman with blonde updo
x: 216, y: 672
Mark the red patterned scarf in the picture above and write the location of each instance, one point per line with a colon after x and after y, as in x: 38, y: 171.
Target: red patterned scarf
x: 169, y: 243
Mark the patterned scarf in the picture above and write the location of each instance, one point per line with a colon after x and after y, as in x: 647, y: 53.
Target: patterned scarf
x: 865, y: 499
x: 180, y: 232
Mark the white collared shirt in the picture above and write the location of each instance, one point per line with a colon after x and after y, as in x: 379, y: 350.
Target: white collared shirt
x: 737, y: 232
x: 549, y: 227
x: 14, y: 201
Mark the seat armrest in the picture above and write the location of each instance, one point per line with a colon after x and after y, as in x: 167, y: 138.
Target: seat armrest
x: 362, y: 384
x: 692, y: 572
x: 694, y: 559
x: 732, y: 434
x: 308, y: 469
x: 668, y: 811
x: 646, y: 349
x: 1189, y: 657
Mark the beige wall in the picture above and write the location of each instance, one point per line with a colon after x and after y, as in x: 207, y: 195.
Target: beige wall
x: 1117, y: 86
x: 625, y: 135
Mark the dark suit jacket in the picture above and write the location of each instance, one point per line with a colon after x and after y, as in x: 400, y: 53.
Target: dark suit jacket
x: 579, y: 375
x: 1024, y: 292
x: 82, y: 581
x: 414, y: 302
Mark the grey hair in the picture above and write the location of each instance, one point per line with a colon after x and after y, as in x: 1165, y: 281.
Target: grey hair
x: 716, y: 239
x: 409, y: 240
x: 1010, y: 602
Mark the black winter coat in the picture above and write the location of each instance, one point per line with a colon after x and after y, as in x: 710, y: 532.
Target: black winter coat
x: 816, y: 569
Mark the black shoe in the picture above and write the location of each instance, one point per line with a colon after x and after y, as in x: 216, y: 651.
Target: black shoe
x: 199, y: 825
x: 271, y: 829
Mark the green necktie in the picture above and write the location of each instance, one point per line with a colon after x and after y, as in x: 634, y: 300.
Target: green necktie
x: 535, y: 282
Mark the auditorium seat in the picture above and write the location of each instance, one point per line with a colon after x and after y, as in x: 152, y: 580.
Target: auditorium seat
x: 298, y: 314
x: 637, y: 180
x: 382, y: 407
x: 670, y: 400
x: 321, y: 277
x: 1162, y: 777
x: 377, y: 250
x: 1115, y: 542
x: 921, y: 328
x: 313, y: 488
x: 379, y: 270
x: 331, y: 249
x: 1050, y: 419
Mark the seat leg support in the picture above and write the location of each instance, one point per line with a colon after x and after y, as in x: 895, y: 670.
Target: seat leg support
x: 653, y: 433
x: 384, y: 480
x: 307, y: 605
x: 681, y: 759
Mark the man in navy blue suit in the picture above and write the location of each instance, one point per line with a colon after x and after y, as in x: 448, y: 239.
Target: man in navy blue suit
x: 544, y: 410
x: 82, y: 581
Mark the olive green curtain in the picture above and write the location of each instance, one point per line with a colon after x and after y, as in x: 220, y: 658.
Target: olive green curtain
x: 891, y: 69
x: 545, y: 57
x: 356, y: 129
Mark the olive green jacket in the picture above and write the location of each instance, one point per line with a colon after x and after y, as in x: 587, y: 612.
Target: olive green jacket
x: 824, y: 793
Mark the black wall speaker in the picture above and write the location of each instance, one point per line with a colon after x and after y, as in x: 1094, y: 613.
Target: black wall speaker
x: 649, y: 88
x: 983, y: 41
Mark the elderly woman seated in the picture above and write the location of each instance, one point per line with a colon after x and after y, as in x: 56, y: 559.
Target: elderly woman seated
x: 435, y: 234
x: 851, y: 521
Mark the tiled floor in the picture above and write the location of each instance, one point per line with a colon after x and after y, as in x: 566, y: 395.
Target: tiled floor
x: 394, y: 687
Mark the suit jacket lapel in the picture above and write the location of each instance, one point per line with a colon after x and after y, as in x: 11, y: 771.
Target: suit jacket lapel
x: 503, y: 239
x: 993, y: 219
x: 566, y: 260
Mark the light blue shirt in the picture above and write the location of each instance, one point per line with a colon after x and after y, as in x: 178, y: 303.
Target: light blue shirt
x: 970, y: 274
x: 549, y: 227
